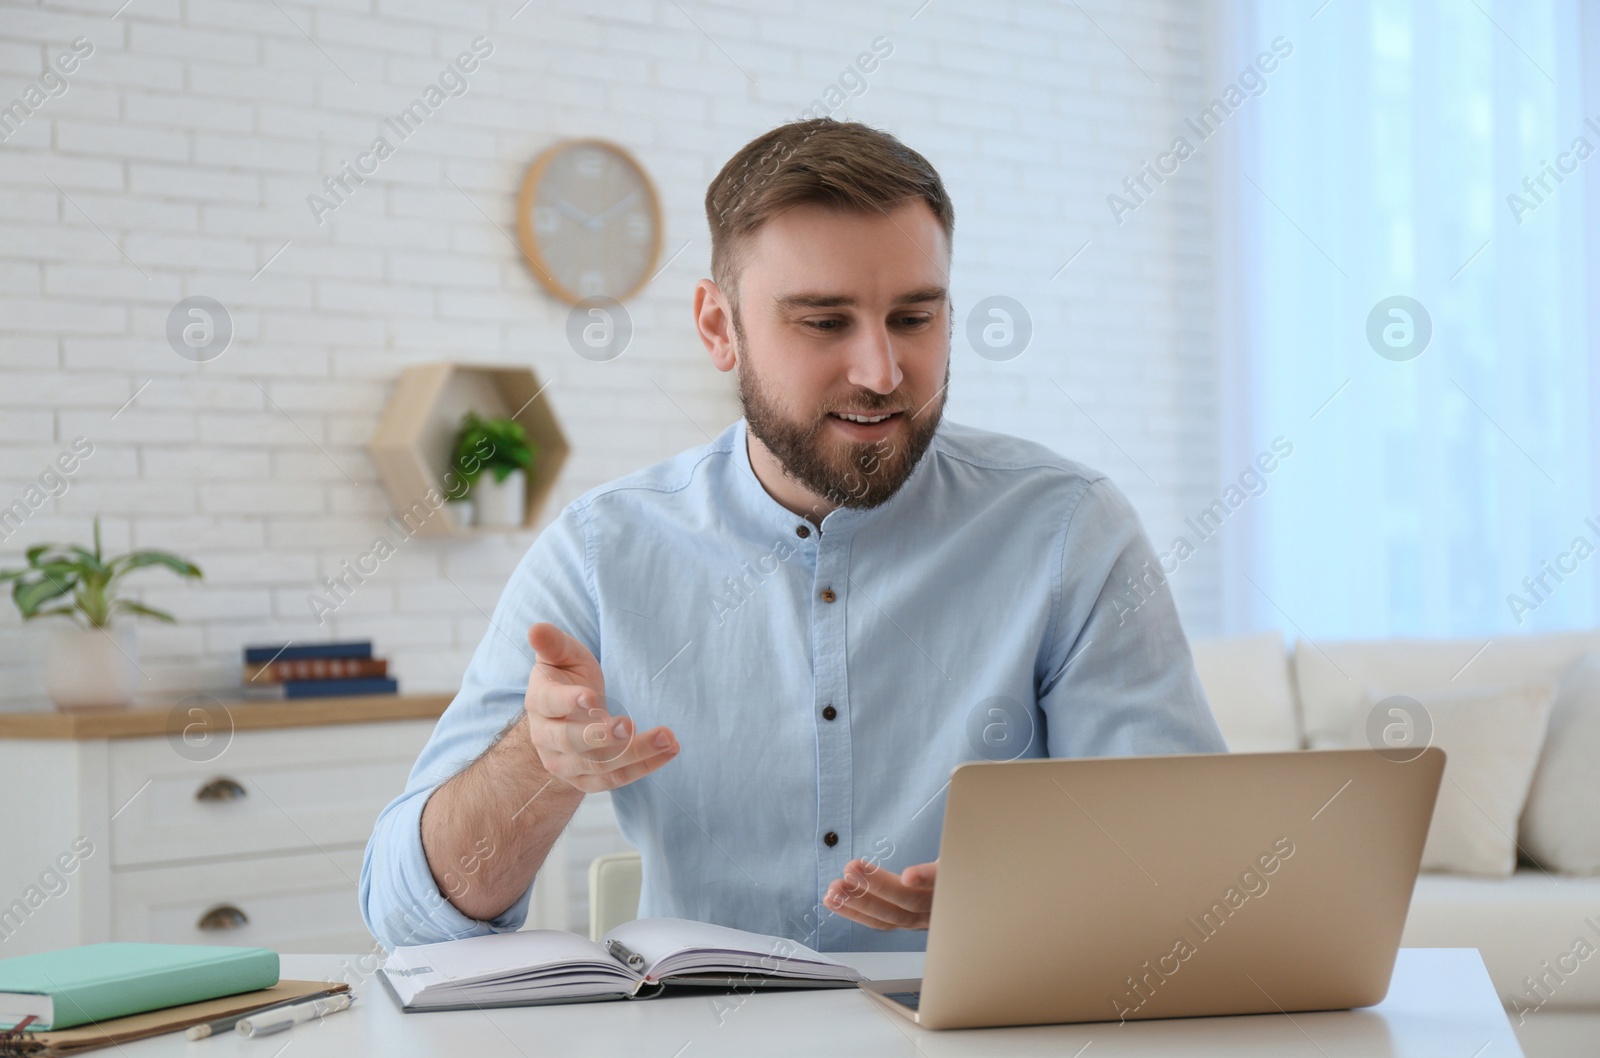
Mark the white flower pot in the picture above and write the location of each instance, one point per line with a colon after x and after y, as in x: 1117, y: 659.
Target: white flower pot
x: 500, y: 504
x: 91, y: 668
x: 460, y: 513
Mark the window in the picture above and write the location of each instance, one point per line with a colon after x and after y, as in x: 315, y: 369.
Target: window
x: 1409, y: 292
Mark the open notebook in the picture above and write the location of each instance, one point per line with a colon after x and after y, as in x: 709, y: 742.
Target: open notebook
x: 637, y: 960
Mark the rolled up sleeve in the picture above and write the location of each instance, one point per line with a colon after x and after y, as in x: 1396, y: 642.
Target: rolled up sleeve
x: 400, y: 902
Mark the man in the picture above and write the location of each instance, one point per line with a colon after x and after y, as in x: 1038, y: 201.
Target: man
x: 772, y: 649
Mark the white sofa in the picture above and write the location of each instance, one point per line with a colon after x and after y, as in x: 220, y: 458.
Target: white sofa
x: 1267, y: 697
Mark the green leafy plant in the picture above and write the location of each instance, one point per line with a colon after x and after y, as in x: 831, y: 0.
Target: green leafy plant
x: 55, y: 571
x: 499, y: 445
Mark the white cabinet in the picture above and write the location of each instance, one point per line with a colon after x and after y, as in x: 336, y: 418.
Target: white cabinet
x: 117, y: 827
x: 257, y: 841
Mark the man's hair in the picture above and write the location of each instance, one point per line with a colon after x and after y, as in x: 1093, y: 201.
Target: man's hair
x: 843, y: 164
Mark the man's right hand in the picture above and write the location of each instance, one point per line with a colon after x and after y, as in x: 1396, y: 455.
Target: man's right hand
x: 577, y: 739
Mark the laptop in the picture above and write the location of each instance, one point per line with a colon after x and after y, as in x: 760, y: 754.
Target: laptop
x: 1114, y: 889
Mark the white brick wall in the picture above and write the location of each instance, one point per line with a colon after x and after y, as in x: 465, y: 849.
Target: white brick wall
x: 192, y: 135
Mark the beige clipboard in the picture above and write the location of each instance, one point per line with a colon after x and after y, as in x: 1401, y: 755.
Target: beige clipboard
x: 156, y: 1022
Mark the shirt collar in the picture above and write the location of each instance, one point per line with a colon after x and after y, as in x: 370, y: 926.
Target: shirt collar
x: 840, y: 520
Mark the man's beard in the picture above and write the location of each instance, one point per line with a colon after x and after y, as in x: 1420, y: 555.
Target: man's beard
x: 846, y: 474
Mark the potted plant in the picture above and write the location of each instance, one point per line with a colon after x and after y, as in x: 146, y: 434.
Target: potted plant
x: 92, y: 664
x: 500, y: 446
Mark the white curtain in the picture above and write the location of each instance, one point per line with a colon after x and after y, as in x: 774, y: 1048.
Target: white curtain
x: 1412, y: 150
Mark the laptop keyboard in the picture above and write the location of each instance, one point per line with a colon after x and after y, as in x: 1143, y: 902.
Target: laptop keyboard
x: 905, y: 999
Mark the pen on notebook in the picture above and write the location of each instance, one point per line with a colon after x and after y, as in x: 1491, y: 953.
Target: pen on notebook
x: 211, y: 1028
x: 280, y: 1018
x: 631, y: 959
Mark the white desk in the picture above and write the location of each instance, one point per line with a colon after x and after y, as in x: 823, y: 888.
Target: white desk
x: 1440, y: 1005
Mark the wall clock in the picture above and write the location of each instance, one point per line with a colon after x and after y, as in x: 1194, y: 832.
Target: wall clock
x: 589, y: 221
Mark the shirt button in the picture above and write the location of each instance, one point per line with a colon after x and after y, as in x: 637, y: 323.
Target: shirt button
x: 828, y: 595
x: 829, y: 712
x: 830, y: 839
x: 802, y: 531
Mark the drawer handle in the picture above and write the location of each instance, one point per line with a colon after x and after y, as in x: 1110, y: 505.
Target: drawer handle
x: 224, y: 916
x: 223, y: 789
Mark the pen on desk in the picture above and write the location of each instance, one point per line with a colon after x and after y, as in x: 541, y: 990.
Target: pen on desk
x: 280, y: 1018
x: 631, y: 959
x: 211, y: 1028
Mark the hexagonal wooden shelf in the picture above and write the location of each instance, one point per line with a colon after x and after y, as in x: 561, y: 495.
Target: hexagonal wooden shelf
x: 415, y: 439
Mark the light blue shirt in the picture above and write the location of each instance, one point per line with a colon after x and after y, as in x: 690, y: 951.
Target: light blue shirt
x: 1004, y: 603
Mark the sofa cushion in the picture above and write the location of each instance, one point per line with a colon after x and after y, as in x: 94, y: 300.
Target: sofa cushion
x: 1330, y: 675
x: 1561, y: 823
x: 1246, y: 679
x: 1491, y: 737
x: 1525, y: 927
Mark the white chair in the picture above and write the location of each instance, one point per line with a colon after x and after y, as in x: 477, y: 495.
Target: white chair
x: 614, y: 882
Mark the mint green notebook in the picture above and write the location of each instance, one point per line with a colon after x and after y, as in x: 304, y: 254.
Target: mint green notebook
x: 76, y: 986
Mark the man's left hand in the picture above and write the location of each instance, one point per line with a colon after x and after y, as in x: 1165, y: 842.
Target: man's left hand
x: 882, y: 899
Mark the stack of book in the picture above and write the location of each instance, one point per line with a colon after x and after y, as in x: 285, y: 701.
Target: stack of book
x: 315, y: 670
x: 70, y: 1000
